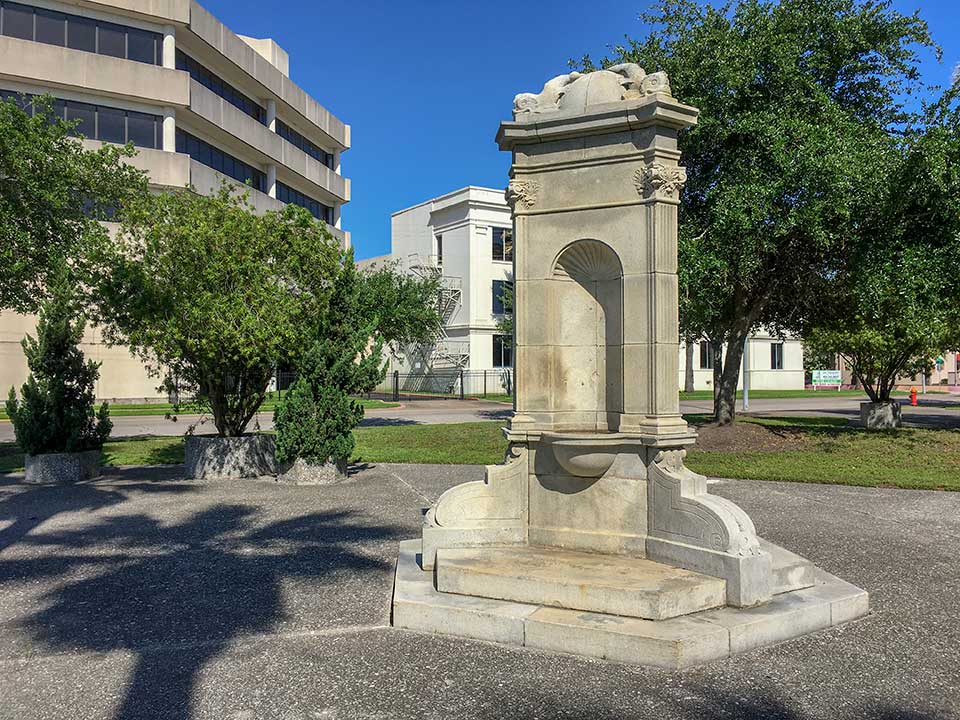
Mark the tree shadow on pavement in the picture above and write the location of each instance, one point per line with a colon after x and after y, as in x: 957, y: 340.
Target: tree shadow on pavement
x: 689, y: 701
x: 176, y: 595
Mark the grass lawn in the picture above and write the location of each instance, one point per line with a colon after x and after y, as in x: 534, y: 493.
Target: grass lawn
x: 818, y: 450
x: 786, y: 394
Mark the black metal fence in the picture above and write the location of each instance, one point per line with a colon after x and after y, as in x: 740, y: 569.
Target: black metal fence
x: 436, y: 384
x: 444, y: 384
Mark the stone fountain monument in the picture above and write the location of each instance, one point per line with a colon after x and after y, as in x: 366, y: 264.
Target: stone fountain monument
x: 593, y: 538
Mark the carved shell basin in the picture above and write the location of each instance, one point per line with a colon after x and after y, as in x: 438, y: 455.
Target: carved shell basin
x: 584, y: 455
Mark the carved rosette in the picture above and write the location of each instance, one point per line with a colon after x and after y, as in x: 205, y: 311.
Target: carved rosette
x: 522, y: 192
x: 660, y: 181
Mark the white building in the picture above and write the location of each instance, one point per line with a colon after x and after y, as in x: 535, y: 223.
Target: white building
x: 200, y: 103
x: 773, y: 363
x: 466, y: 237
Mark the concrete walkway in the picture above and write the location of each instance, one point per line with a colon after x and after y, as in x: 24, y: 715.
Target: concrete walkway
x: 143, y: 595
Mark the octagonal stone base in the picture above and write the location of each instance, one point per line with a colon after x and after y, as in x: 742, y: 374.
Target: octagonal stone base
x: 675, y: 643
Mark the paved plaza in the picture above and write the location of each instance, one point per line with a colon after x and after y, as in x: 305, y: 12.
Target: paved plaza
x: 143, y: 595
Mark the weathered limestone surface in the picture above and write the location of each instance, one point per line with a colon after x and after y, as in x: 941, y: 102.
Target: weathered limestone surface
x: 559, y: 546
x: 678, y: 642
x: 614, y: 584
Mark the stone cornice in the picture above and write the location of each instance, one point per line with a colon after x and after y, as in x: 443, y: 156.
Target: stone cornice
x: 656, y: 110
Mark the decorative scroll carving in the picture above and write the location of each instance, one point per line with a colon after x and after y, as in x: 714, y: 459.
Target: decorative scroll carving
x: 683, y: 511
x: 499, y: 496
x: 523, y: 192
x: 627, y: 81
x: 659, y: 180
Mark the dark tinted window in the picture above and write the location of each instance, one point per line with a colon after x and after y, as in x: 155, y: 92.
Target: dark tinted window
x: 502, y: 351
x: 87, y: 115
x: 205, y: 153
x: 18, y: 21
x: 111, y: 125
x: 142, y: 46
x: 142, y: 129
x: 111, y: 40
x: 51, y: 27
x: 229, y: 93
x: 502, y: 243
x: 499, y: 306
x: 82, y: 34
x: 298, y: 140
x: 320, y: 211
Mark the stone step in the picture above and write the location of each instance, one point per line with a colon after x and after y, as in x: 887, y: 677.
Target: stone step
x: 790, y: 571
x: 551, y: 577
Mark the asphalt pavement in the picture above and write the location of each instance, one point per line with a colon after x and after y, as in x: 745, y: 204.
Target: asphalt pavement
x: 143, y: 595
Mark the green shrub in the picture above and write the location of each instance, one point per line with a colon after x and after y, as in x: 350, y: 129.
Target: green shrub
x: 315, y: 423
x: 55, y: 412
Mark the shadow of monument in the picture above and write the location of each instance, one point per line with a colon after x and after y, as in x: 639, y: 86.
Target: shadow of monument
x: 177, y: 595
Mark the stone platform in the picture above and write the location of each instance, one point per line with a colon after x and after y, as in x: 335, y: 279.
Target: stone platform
x: 612, y: 584
x: 673, y: 643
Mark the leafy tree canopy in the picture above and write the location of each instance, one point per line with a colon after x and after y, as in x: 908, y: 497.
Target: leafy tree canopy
x: 888, y: 309
x: 366, y: 311
x: 799, y: 101
x: 214, y: 295
x: 52, y: 191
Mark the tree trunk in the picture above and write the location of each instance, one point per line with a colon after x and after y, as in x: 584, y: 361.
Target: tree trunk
x: 715, y: 350
x: 725, y: 392
x: 688, y: 378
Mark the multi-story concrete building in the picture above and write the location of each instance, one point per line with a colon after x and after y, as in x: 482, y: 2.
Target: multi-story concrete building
x: 466, y: 237
x: 200, y: 103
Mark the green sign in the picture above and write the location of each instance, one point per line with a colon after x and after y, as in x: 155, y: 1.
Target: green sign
x: 830, y: 378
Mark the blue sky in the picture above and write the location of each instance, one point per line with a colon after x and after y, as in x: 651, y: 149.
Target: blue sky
x: 425, y: 84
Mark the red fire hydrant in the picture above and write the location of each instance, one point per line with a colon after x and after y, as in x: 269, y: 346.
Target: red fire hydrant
x: 913, y: 396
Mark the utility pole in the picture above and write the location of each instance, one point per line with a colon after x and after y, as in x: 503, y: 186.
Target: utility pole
x: 746, y: 374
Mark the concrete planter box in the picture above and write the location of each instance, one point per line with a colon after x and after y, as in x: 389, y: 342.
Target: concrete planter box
x: 62, y: 468
x: 301, y: 472
x: 880, y: 416
x: 233, y: 457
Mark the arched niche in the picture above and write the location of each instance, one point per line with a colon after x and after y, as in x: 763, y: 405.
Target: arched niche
x: 587, y: 297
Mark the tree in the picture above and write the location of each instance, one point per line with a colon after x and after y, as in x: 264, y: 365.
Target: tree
x: 214, y: 296
x: 52, y: 194
x: 888, y: 309
x: 55, y: 412
x: 366, y: 311
x: 798, y: 101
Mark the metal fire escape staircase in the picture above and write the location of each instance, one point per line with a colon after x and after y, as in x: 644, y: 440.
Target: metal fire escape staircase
x: 441, y: 358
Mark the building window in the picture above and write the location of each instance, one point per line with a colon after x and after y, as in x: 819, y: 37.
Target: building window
x: 502, y: 351
x: 205, y: 153
x: 220, y: 87
x: 299, y: 141
x: 499, y: 306
x: 80, y: 33
x: 706, y: 355
x: 439, y: 240
x: 776, y: 356
x: 99, y: 122
x: 502, y: 243
x: 287, y: 194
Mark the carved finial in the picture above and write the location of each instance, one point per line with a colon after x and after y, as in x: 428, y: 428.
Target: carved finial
x: 659, y: 180
x: 523, y: 192
x: 626, y: 81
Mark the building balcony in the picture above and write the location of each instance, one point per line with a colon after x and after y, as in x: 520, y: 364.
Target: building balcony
x: 50, y: 66
x: 223, y: 116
